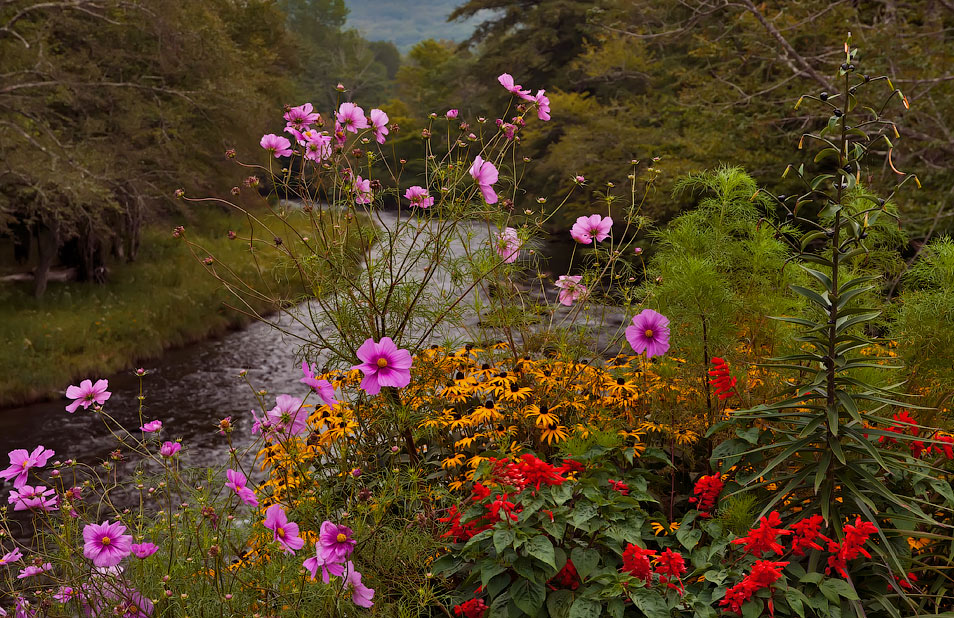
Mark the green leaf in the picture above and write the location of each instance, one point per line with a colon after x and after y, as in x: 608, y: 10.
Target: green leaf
x: 793, y: 596
x: 750, y: 435
x: 562, y: 493
x: 447, y: 563
x: 585, y: 560
x: 528, y: 596
x: 541, y: 548
x: 689, y: 537
x: 615, y: 608
x: 582, y: 515
x: 649, y: 602
x: 586, y: 608
x: 497, y: 584
x: 840, y: 587
x: 813, y: 296
x: 811, y: 578
x: 503, y: 539
x: 523, y: 566
x: 752, y: 609
x: 820, y: 276
x: 558, y: 603
x: 488, y: 570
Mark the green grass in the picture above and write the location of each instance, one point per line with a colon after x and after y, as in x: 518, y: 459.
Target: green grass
x: 166, y: 298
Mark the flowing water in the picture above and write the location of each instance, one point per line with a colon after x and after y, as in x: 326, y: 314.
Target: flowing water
x: 189, y: 390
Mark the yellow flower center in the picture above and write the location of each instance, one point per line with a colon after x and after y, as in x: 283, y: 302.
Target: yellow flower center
x: 649, y: 332
x: 281, y: 533
x: 382, y: 362
x: 106, y: 540
x: 342, y: 537
x: 25, y: 463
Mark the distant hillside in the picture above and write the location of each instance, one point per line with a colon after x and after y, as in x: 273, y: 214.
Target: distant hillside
x: 408, y: 22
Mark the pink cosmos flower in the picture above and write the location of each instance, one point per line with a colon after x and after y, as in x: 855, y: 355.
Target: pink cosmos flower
x: 151, y: 427
x: 87, y: 393
x: 32, y: 570
x: 336, y: 542
x: 328, y: 568
x: 362, y: 189
x: 485, y: 174
x: 168, y: 449
x: 506, y: 80
x: 649, y: 333
x: 592, y: 229
x: 317, y: 146
x: 66, y: 594
x: 288, y: 417
x: 570, y: 289
x: 285, y: 532
x: 384, y: 365
x: 508, y: 245
x: 237, y: 482
x: 361, y: 595
x: 543, y: 105
x: 106, y: 544
x: 11, y: 557
x: 21, y: 462
x: 379, y: 120
x: 351, y: 117
x: 419, y: 197
x: 143, y: 550
x: 38, y: 497
x: 451, y: 114
x: 301, y: 117
x: 323, y: 387
x: 276, y: 145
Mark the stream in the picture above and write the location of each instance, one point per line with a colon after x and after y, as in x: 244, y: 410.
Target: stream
x: 190, y: 389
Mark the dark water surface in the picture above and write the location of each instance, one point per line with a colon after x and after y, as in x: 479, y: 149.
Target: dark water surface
x: 189, y: 390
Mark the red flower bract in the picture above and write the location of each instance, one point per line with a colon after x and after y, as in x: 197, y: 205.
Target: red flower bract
x: 763, y: 539
x: 855, y: 537
x: 619, y: 486
x: 567, y: 578
x: 707, y: 489
x: 722, y: 380
x: 636, y: 562
x: 526, y: 471
x: 474, y: 608
x: 805, y: 532
x: 764, y: 574
x: 671, y: 565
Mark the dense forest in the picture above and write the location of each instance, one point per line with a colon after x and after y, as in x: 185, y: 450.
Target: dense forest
x: 106, y: 107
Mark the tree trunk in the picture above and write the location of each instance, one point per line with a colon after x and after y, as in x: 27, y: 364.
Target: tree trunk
x: 46, y: 246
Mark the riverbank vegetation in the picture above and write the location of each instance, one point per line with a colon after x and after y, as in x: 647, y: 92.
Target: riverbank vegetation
x: 166, y: 299
x: 721, y: 428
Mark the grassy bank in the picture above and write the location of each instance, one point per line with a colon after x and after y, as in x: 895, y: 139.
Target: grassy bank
x: 166, y: 298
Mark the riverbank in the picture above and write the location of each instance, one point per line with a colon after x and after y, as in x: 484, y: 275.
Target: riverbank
x: 165, y: 299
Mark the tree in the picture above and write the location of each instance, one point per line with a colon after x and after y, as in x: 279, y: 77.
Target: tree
x: 105, y: 106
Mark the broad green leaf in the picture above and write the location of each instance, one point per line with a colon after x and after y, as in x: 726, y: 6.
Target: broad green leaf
x: 488, y: 570
x: 558, y: 603
x: 586, y: 608
x: 649, y: 602
x: 527, y: 595
x: 585, y: 560
x: 689, y: 537
x: 541, y: 548
x: 503, y: 539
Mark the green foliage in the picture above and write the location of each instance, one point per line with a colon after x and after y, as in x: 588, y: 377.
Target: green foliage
x: 718, y: 274
x: 825, y: 448
x: 153, y: 78
x: 924, y: 326
x: 166, y: 300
